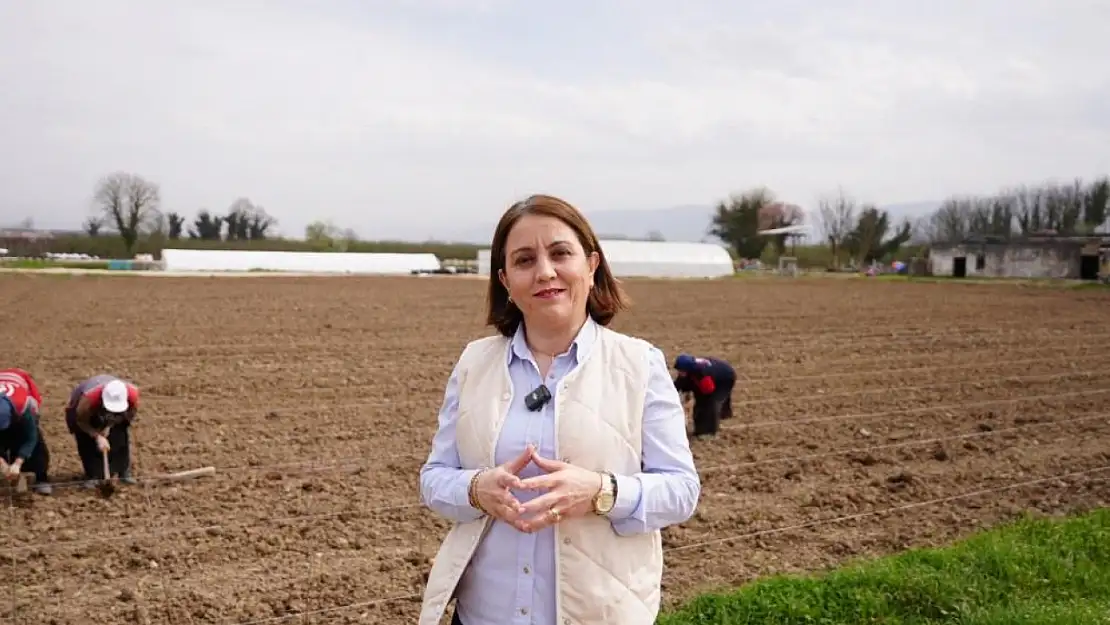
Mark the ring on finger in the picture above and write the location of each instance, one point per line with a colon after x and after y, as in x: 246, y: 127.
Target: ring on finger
x: 555, y: 515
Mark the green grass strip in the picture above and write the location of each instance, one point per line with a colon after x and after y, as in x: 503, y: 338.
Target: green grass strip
x: 1032, y: 572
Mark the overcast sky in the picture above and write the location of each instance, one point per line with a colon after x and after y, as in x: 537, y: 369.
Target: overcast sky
x: 400, y: 116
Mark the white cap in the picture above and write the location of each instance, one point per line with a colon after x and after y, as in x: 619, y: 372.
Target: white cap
x: 114, y: 396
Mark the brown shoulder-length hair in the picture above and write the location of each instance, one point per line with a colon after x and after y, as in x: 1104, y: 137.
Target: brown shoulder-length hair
x: 606, y: 297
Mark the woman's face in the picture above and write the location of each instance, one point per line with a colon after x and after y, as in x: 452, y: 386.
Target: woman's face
x: 547, y: 273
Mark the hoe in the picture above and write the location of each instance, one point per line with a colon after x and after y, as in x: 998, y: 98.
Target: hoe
x: 25, y: 481
x: 107, y: 485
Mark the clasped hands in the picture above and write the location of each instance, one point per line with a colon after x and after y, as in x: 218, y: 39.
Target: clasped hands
x: 570, y: 492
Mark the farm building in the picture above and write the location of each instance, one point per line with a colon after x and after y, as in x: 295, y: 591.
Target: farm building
x: 25, y: 241
x: 655, y: 259
x: 1040, y: 256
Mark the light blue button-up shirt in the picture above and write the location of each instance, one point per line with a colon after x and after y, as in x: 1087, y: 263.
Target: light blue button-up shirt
x: 511, y: 577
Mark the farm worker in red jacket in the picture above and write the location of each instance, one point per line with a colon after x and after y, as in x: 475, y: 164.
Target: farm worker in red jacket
x: 99, y: 415
x: 22, y: 444
x: 711, y: 381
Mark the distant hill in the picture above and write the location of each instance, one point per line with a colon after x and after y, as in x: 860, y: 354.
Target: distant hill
x: 679, y: 223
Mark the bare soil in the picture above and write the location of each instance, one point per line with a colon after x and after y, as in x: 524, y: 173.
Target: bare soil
x: 316, y: 399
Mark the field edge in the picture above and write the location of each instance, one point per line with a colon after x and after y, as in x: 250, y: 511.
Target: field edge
x: 1058, y: 566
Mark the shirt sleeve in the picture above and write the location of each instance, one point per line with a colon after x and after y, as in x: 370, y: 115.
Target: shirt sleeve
x: 666, y: 491
x: 444, y: 484
x: 132, y: 396
x: 29, y: 430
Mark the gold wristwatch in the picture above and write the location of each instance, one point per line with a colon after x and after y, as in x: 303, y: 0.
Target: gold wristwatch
x: 606, y: 498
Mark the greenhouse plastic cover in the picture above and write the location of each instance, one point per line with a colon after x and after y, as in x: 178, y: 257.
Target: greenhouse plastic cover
x: 655, y: 259
x: 304, y: 262
x: 667, y: 259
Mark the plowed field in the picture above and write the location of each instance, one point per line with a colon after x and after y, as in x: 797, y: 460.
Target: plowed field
x: 316, y: 399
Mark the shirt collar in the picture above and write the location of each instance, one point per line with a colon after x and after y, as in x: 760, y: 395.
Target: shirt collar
x: 579, y: 348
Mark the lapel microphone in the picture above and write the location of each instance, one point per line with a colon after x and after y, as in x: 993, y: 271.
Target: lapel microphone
x: 537, y: 398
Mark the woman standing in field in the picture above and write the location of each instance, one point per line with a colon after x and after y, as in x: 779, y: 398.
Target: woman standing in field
x: 561, y: 450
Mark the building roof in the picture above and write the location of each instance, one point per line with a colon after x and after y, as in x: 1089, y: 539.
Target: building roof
x: 1030, y: 240
x: 25, y: 233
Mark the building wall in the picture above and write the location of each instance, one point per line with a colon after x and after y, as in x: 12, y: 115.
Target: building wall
x: 941, y: 261
x: 1055, y: 260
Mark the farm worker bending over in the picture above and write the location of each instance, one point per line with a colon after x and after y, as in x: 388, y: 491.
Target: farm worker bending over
x: 22, y: 445
x: 99, y: 415
x: 711, y: 381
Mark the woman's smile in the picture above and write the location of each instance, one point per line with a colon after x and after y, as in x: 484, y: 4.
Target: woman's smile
x: 549, y: 293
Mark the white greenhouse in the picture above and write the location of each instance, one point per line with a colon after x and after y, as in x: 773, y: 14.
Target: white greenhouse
x: 301, y: 262
x: 483, y: 262
x: 655, y: 259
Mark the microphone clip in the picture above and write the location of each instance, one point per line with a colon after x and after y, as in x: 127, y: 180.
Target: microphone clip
x: 537, y: 398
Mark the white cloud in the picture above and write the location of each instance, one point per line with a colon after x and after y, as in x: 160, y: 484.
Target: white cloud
x: 372, y: 113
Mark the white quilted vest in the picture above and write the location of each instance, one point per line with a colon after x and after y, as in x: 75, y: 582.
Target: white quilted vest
x: 602, y: 578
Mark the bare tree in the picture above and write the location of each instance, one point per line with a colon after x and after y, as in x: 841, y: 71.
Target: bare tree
x: 158, y: 226
x: 93, y: 225
x: 953, y: 220
x: 838, y: 218
x: 128, y: 201
x: 923, y: 231
x: 248, y: 221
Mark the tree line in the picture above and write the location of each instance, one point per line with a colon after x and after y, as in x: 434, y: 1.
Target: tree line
x: 129, y: 206
x: 859, y: 233
x: 853, y: 232
x: 1073, y: 208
